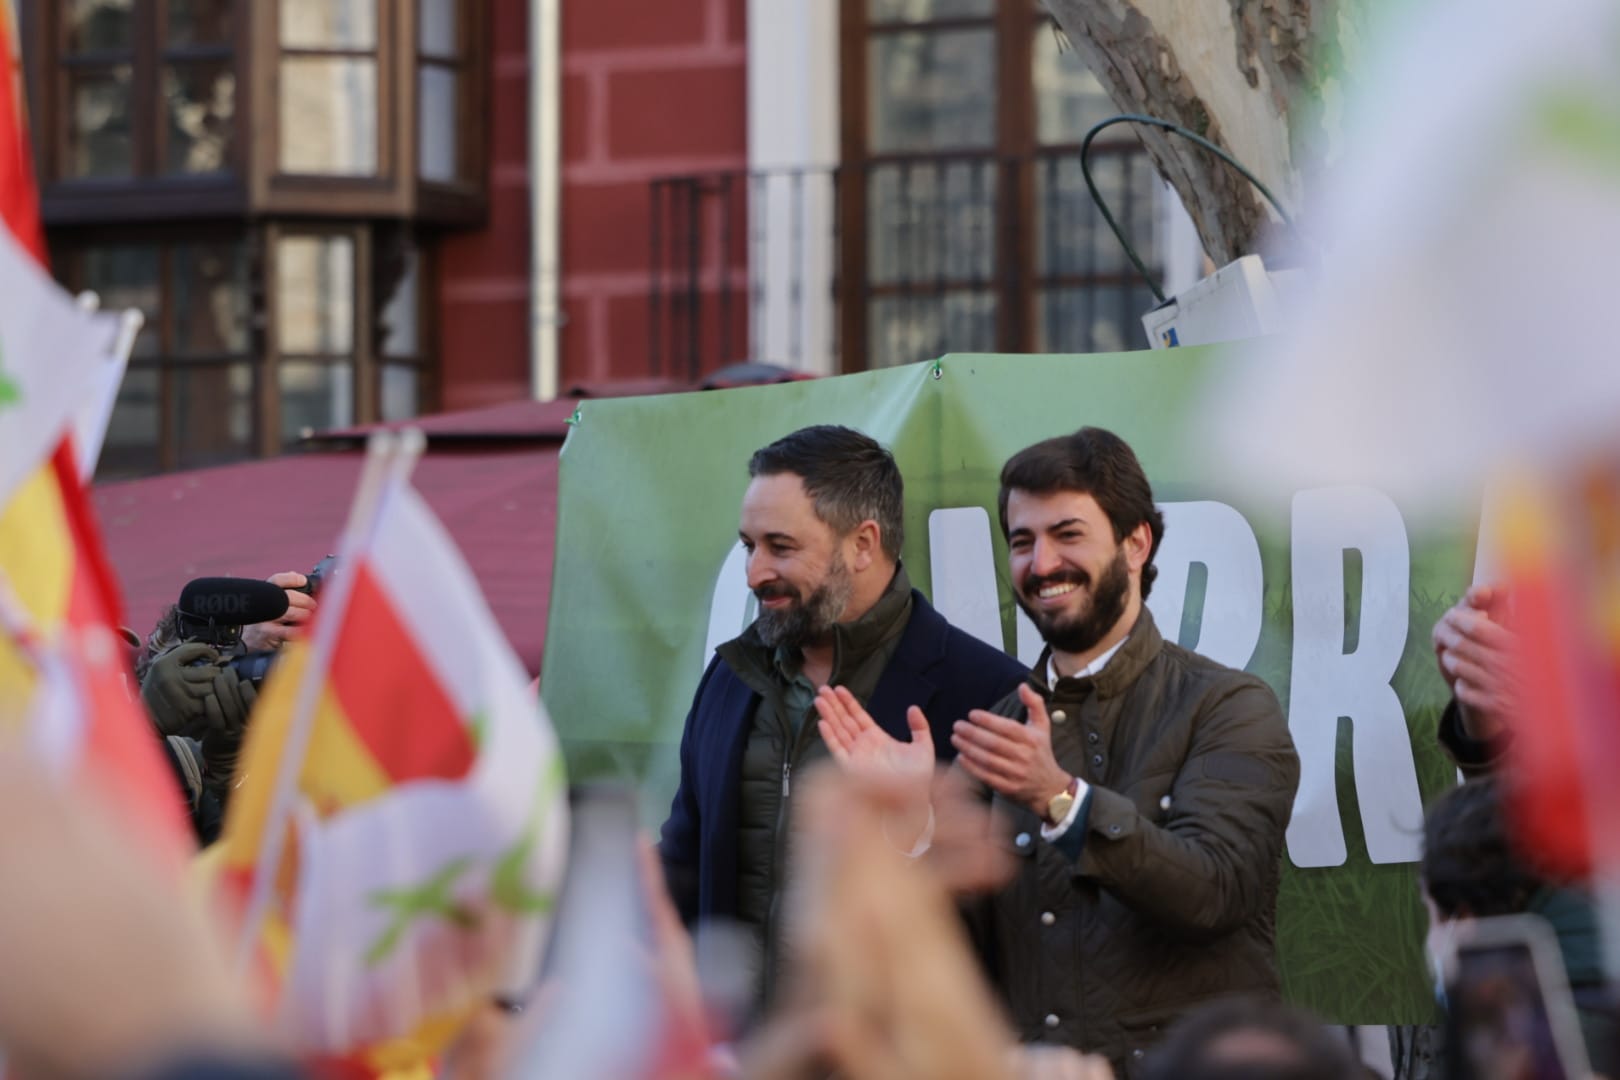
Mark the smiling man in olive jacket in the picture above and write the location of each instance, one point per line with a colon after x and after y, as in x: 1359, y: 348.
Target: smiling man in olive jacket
x: 1145, y: 789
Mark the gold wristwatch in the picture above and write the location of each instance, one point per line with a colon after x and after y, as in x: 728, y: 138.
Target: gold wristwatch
x: 1059, y: 805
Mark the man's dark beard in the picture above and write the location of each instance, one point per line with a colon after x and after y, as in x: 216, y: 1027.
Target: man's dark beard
x: 1077, y: 634
x: 805, y: 621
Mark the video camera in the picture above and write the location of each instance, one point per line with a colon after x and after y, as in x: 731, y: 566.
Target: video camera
x: 214, y: 611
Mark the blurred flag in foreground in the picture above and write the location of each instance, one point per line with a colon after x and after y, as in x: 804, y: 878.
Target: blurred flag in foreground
x: 1467, y: 239
x: 1560, y: 544
x: 62, y: 668
x: 1459, y: 328
x: 400, y: 828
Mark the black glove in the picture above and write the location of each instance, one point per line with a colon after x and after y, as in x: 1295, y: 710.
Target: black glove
x: 227, y: 708
x: 176, y: 686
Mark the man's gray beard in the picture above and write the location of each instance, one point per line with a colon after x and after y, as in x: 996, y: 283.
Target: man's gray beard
x: 1108, y: 601
x: 811, y: 620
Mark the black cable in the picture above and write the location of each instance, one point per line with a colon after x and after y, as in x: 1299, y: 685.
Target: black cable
x: 1153, y: 121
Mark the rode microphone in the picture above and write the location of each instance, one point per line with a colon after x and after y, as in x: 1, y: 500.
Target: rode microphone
x: 214, y: 609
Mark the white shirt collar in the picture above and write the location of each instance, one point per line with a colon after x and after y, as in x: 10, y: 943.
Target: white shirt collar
x: 1093, y: 668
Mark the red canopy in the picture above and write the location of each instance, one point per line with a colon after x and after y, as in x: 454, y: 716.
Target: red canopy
x: 494, y: 485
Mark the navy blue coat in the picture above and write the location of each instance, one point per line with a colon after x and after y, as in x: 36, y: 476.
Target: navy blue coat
x: 936, y: 666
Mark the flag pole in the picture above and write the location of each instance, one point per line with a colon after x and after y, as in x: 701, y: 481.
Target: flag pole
x: 388, y: 464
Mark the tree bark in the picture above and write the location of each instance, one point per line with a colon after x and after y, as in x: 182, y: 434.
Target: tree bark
x: 1236, y: 73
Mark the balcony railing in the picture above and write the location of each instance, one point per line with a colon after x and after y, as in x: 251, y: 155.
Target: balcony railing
x: 946, y: 253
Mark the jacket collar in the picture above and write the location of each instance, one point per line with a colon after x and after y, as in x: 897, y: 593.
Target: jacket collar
x: 1133, y: 657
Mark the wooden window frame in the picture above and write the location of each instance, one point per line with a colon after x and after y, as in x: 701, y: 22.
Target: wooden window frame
x: 1017, y: 153
x: 147, y: 193
x: 168, y: 360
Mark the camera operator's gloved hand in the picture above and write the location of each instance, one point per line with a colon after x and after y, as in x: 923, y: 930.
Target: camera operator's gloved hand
x: 227, y: 707
x: 177, y: 685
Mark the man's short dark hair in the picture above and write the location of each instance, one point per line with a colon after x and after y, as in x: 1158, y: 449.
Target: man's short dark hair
x: 1469, y: 865
x: 849, y: 477
x: 1093, y: 462
x: 1245, y: 1039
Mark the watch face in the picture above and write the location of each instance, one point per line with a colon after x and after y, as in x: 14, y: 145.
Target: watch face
x: 1057, y: 808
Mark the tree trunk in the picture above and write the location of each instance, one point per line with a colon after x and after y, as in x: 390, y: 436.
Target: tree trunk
x: 1235, y: 73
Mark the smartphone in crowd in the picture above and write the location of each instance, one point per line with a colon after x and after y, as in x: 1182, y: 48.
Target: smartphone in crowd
x: 1510, y: 1014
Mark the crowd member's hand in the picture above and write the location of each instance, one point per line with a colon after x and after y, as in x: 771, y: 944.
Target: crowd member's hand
x: 111, y: 970
x: 263, y: 637
x: 177, y: 686
x: 1475, y: 651
x: 228, y: 705
x: 879, y: 958
x: 1038, y: 1062
x: 1014, y: 758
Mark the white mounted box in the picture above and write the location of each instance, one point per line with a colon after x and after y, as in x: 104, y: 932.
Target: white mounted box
x: 1240, y: 300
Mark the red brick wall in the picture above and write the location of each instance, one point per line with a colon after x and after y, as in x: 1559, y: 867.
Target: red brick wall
x: 649, y: 90
x: 483, y: 276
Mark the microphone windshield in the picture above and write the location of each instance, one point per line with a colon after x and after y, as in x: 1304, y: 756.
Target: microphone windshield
x: 226, y: 601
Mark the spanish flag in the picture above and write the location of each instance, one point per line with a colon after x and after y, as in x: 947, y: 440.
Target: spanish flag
x: 58, y: 603
x: 399, y: 830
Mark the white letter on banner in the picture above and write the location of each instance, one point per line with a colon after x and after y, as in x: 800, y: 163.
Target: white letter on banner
x: 1327, y: 683
x: 1220, y: 538
x: 964, y: 564
x: 732, y: 608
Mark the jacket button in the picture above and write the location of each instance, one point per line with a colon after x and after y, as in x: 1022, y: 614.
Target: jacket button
x: 1113, y: 830
x: 1058, y: 716
x: 1022, y: 839
x: 1096, y: 759
x: 1091, y: 737
x: 1051, y: 1020
x: 1164, y: 803
x: 1047, y: 918
x: 1137, y: 1053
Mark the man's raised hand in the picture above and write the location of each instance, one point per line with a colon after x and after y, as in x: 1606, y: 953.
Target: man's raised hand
x: 869, y: 752
x: 1013, y: 757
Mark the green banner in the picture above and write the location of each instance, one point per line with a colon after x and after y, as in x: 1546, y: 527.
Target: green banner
x: 1327, y: 593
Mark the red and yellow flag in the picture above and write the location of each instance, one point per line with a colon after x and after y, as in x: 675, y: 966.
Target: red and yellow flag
x: 57, y: 591
x: 1560, y: 543
x: 399, y: 829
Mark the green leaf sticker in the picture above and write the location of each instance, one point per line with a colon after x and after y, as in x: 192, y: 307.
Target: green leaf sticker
x: 431, y: 900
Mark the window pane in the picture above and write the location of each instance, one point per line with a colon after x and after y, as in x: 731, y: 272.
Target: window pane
x: 905, y: 329
x: 438, y: 35
x: 97, y: 25
x: 128, y: 277
x: 329, y: 24
x: 132, y: 447
x: 1103, y: 318
x: 1071, y: 237
x: 328, y: 116
x: 931, y: 221
x: 200, y: 102
x: 923, y: 10
x: 932, y: 91
x: 1068, y: 98
x: 200, y: 22
x: 213, y: 413
x: 401, y: 390
x: 210, y: 298
x: 436, y: 145
x: 314, y: 397
x: 98, y: 136
x: 399, y: 314
x: 315, y: 295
